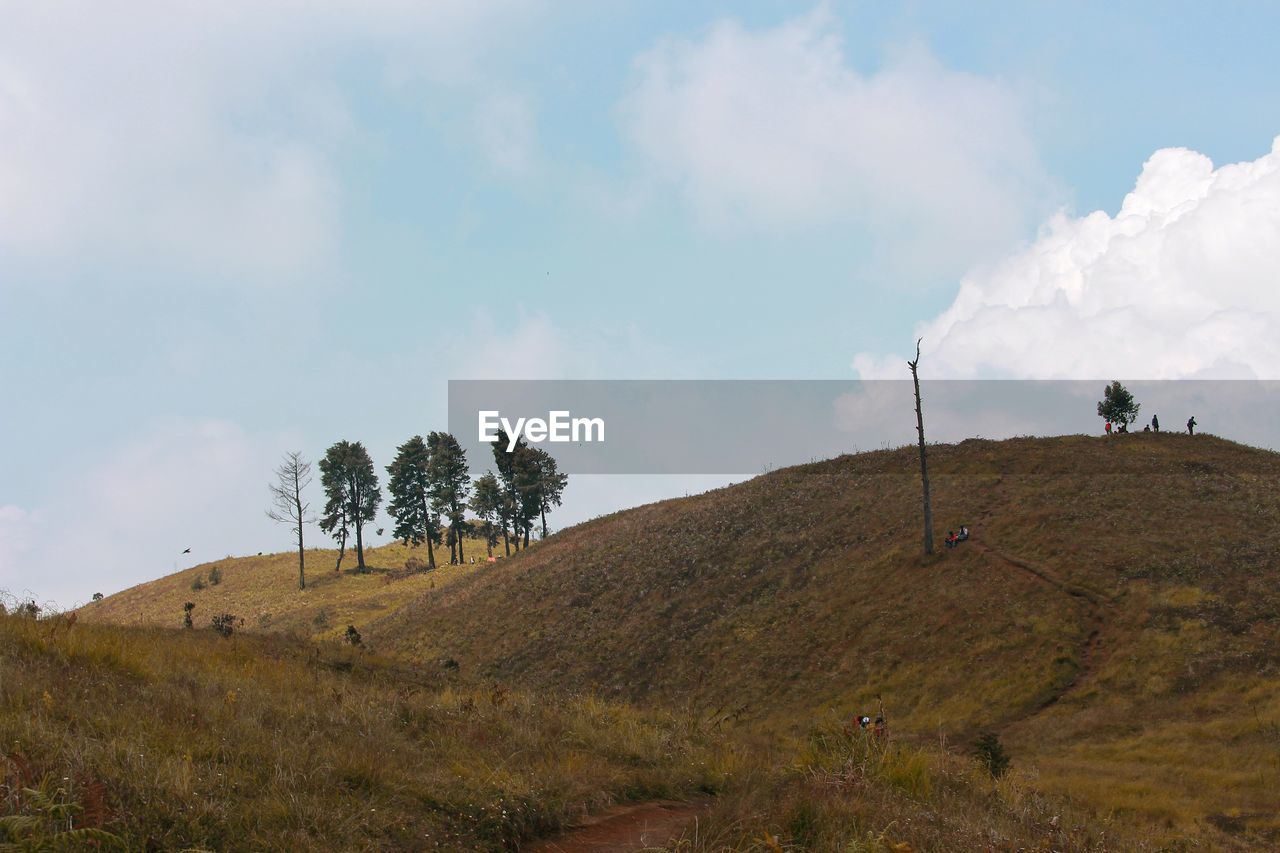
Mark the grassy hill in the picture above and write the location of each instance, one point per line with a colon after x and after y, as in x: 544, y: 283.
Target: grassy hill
x: 162, y: 739
x: 124, y: 738
x: 1114, y: 618
x: 263, y: 590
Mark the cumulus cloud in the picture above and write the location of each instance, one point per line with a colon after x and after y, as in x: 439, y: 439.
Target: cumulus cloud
x: 1180, y: 283
x: 204, y: 135
x: 775, y: 128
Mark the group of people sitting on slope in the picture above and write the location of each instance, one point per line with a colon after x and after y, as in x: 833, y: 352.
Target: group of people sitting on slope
x: 1154, y: 426
x: 953, y: 539
x: 879, y: 728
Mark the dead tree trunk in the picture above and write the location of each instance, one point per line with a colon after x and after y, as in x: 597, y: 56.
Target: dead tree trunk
x: 924, y: 462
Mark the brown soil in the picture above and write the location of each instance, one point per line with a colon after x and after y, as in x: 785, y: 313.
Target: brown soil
x: 624, y: 829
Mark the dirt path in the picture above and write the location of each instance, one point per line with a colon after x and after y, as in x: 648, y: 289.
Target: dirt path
x: 1097, y: 607
x: 625, y: 829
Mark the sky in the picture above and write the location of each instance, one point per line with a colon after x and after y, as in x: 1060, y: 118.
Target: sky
x: 232, y: 230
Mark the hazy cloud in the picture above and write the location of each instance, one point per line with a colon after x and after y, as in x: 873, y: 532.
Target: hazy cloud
x: 775, y: 128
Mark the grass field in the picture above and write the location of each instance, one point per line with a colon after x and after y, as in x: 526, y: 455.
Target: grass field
x: 169, y: 739
x: 1113, y: 618
x: 1112, y: 621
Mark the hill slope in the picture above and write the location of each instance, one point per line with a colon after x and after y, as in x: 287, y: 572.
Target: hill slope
x: 1114, y: 616
x: 263, y: 590
x: 172, y: 739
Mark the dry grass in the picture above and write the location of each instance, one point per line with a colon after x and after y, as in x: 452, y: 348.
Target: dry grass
x: 263, y: 590
x: 1114, y: 611
x: 1113, y: 619
x: 170, y: 739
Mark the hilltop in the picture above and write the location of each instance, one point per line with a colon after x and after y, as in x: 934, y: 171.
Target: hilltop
x: 1113, y: 618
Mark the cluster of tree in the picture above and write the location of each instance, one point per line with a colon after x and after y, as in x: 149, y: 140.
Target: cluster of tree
x: 431, y: 490
x: 527, y: 486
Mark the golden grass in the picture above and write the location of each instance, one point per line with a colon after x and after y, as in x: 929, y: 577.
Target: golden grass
x: 263, y: 591
x: 171, y: 739
x: 1113, y: 619
x: 1111, y: 587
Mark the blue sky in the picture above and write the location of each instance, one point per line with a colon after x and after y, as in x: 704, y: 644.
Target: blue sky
x: 227, y: 233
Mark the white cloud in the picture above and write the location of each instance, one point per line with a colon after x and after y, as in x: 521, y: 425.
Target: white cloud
x: 181, y: 484
x: 204, y: 135
x: 536, y: 347
x: 774, y: 128
x: 1180, y: 283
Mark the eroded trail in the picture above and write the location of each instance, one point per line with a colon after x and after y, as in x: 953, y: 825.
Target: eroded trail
x: 625, y: 829
x: 1097, y: 607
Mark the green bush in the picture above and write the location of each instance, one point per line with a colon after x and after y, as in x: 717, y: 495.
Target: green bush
x: 990, y: 752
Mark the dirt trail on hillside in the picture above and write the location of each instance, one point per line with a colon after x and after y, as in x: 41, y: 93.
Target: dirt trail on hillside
x: 1098, y: 607
x: 625, y: 829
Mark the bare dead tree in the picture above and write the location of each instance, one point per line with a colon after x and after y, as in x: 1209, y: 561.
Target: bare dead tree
x: 924, y: 464
x: 287, y: 505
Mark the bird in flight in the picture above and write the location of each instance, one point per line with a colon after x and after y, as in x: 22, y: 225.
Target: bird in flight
x: 188, y: 551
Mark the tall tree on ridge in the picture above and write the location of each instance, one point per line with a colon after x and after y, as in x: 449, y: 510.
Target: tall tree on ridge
x: 507, y: 464
x: 409, y: 483
x: 488, y: 505
x: 549, y: 484
x: 450, y: 482
x: 287, y: 507
x: 351, y: 488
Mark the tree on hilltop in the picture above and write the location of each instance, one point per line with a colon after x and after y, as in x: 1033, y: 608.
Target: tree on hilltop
x: 548, y: 484
x: 287, y: 507
x: 352, y: 493
x: 409, y: 482
x: 488, y: 505
x: 1117, y: 404
x: 509, y: 469
x: 450, y: 482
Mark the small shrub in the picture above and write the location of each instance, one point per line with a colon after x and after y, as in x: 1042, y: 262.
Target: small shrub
x: 990, y: 752
x: 215, y: 576
x: 413, y: 564
x: 353, y: 636
x: 321, y: 619
x: 198, y: 583
x: 186, y: 613
x: 97, y: 596
x: 224, y: 624
x: 450, y: 664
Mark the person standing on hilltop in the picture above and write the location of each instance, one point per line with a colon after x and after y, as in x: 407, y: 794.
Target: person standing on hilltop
x: 1107, y: 427
x: 1191, y: 425
x: 1155, y: 423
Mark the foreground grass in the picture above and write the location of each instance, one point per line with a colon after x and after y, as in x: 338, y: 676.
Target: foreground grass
x: 849, y: 790
x: 174, y: 739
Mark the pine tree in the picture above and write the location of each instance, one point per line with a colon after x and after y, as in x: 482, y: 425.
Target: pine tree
x: 351, y: 491
x: 409, y: 483
x: 450, y: 481
x: 488, y: 505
